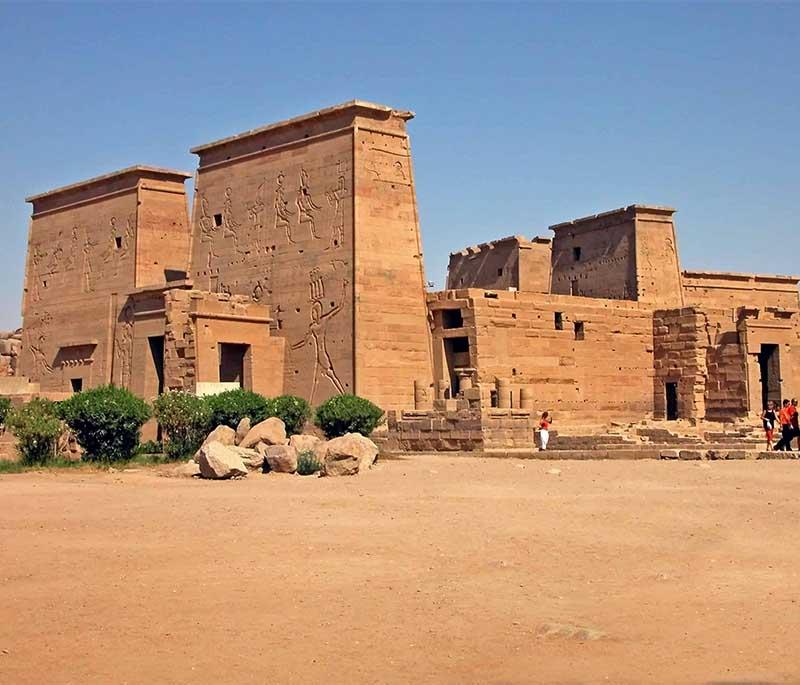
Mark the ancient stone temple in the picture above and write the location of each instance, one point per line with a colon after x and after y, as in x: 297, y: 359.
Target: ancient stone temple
x: 301, y: 272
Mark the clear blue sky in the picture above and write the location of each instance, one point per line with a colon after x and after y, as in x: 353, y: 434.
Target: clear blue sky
x: 527, y: 114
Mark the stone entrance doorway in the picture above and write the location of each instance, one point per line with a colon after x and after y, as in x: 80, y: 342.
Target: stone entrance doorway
x: 671, y: 390
x: 231, y: 363
x: 770, y: 371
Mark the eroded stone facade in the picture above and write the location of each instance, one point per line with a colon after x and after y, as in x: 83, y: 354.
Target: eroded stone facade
x: 301, y: 272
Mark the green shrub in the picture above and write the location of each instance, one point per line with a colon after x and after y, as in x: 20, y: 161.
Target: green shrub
x: 184, y: 417
x: 307, y: 463
x: 348, y: 414
x: 229, y: 407
x: 106, y: 421
x: 37, y: 429
x: 149, y: 447
x: 293, y: 411
x: 5, y: 407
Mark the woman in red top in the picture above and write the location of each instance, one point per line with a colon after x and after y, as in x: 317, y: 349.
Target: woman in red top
x: 544, y: 430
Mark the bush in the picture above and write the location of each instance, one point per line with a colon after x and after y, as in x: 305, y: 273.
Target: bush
x: 307, y: 463
x: 185, y: 418
x: 229, y: 407
x: 37, y: 429
x: 149, y: 447
x: 348, y: 414
x: 293, y: 411
x: 5, y: 407
x: 106, y: 420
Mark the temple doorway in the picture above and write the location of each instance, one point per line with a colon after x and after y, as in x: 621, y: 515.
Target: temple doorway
x: 770, y: 371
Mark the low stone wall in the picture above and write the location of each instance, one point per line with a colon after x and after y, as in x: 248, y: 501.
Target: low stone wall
x: 462, y: 430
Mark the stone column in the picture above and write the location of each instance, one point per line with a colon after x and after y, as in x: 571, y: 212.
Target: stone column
x: 503, y: 393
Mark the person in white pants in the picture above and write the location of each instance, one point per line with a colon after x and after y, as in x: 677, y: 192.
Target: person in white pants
x: 544, y: 430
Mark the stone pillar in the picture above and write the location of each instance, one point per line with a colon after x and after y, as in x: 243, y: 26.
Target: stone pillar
x: 525, y: 398
x: 422, y: 398
x: 503, y: 393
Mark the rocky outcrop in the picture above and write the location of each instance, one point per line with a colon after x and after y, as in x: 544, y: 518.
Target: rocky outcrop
x: 242, y: 429
x: 253, y: 458
x: 271, y: 431
x: 224, y: 435
x: 304, y: 443
x: 218, y: 461
x: 281, y: 458
x: 346, y: 455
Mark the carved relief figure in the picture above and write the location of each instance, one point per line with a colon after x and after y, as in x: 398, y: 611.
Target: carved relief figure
x: 74, y: 246
x: 56, y: 256
x: 37, y: 258
x: 127, y: 239
x: 112, y: 251
x: 258, y: 291
x: 205, y: 221
x: 40, y: 363
x: 123, y: 346
x: 336, y: 201
x: 306, y: 207
x: 282, y: 212
x: 88, y: 248
x: 317, y: 337
x: 316, y: 285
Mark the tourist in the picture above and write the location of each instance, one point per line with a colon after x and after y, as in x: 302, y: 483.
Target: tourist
x: 544, y: 430
x: 795, y: 419
x: 785, y: 419
x: 769, y: 419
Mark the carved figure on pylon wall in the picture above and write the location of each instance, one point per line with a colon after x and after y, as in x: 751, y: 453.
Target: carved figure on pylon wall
x: 317, y: 335
x: 207, y: 227
x: 335, y: 198
x: 306, y: 207
x: 283, y: 214
x: 123, y: 346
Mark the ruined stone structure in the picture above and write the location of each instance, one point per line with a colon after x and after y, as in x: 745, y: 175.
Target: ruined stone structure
x: 301, y: 272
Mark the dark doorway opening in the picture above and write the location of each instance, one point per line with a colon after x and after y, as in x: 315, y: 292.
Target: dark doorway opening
x: 76, y: 383
x: 456, y: 353
x: 770, y: 367
x: 157, y: 354
x: 231, y: 363
x: 671, y: 390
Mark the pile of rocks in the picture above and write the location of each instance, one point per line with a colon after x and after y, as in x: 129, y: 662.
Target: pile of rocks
x: 228, y: 453
x: 10, y: 346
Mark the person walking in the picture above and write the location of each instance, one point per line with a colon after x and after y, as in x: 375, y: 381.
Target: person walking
x: 769, y: 418
x: 785, y: 419
x: 795, y: 420
x: 544, y: 430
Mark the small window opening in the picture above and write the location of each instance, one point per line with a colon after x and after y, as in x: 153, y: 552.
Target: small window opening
x: 579, y: 333
x: 559, y: 320
x: 576, y: 254
x: 76, y: 384
x: 218, y: 219
x: 452, y: 318
x: 44, y: 283
x: 500, y: 272
x: 573, y: 287
x: 118, y: 242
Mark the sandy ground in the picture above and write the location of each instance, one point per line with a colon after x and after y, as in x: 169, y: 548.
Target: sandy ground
x: 430, y: 570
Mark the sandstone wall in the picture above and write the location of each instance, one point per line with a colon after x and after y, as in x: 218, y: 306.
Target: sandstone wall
x: 83, y: 255
x: 317, y: 218
x: 720, y: 290
x: 512, y: 262
x: 598, y: 366
x: 624, y: 254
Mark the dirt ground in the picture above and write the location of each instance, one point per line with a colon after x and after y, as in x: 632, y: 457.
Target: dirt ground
x: 427, y: 570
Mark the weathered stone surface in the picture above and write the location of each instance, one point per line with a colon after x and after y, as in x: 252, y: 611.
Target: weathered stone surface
x: 271, y: 431
x: 68, y: 447
x: 690, y: 454
x: 346, y: 455
x: 253, y: 459
x: 187, y: 470
x: 303, y: 443
x: 570, y: 632
x: 670, y: 454
x: 220, y: 461
x: 281, y: 458
x: 224, y: 435
x: 242, y: 429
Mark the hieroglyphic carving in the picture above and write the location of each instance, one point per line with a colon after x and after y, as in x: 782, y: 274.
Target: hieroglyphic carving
x: 123, y: 346
x: 111, y: 253
x: 336, y: 197
x: 255, y: 213
x: 258, y: 291
x: 74, y: 248
x: 317, y: 333
x: 306, y: 207
x: 282, y: 212
x: 56, y: 256
x: 230, y: 226
x: 87, y: 250
x: 40, y: 364
x: 205, y: 221
x: 37, y: 258
x: 128, y: 237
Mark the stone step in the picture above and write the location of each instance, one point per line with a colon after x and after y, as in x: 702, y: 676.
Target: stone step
x: 615, y: 454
